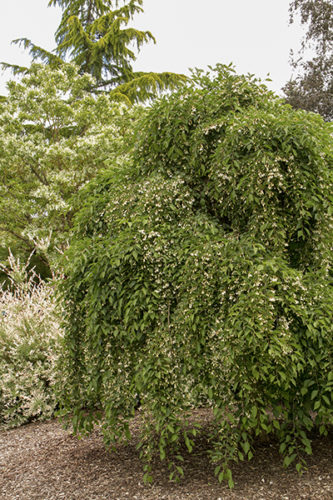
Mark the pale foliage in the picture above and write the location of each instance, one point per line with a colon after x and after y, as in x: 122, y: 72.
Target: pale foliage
x: 54, y: 137
x: 30, y: 336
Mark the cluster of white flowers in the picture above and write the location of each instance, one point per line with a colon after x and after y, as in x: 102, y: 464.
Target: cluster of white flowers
x: 54, y: 137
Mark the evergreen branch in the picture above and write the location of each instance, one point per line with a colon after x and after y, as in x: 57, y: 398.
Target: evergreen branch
x: 96, y: 9
x: 15, y: 69
x: 76, y: 38
x: 140, y: 37
x: 145, y: 86
x: 119, y: 96
x: 37, y: 52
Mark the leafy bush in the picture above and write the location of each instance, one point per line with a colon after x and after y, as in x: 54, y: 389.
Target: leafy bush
x: 199, y: 274
x: 29, y: 348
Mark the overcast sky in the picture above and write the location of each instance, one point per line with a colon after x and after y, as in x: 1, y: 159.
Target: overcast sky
x: 254, y: 35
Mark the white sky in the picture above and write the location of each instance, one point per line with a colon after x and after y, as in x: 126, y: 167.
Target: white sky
x: 253, y: 34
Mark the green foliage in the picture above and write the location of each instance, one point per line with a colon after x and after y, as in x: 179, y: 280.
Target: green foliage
x: 30, y: 339
x: 199, y: 274
x: 91, y: 34
x: 312, y: 87
x: 96, y: 37
x: 54, y: 137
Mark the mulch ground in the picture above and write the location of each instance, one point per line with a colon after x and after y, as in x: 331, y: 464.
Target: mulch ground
x: 43, y: 461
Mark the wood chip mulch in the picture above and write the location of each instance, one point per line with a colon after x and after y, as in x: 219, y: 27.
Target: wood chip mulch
x: 45, y: 462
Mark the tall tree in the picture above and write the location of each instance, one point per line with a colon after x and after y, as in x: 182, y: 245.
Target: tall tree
x: 54, y: 137
x: 312, y: 88
x: 97, y: 37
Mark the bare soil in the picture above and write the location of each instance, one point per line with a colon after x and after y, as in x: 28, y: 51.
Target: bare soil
x: 45, y: 462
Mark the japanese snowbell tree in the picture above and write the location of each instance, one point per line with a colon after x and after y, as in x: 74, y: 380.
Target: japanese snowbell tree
x: 200, y: 274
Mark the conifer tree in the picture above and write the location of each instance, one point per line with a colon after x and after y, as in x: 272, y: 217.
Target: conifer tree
x: 95, y: 36
x: 312, y: 88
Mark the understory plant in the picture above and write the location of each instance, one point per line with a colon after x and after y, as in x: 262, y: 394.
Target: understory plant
x: 30, y: 335
x: 200, y: 274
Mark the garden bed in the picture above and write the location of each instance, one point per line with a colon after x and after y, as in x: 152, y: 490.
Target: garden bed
x: 44, y: 461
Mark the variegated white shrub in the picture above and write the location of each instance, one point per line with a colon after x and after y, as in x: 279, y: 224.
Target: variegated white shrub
x: 30, y: 336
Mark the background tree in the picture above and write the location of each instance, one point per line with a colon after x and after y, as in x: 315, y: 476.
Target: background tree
x: 97, y: 38
x: 312, y: 88
x: 54, y: 137
x: 199, y: 275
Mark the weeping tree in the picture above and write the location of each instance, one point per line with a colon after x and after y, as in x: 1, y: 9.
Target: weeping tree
x: 312, y: 87
x: 96, y: 37
x: 199, y: 275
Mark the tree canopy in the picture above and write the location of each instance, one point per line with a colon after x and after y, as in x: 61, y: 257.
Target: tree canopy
x: 54, y: 137
x: 312, y: 88
x: 97, y: 38
x: 199, y: 274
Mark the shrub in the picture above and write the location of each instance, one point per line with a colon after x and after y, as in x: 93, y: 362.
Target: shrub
x: 199, y: 274
x: 29, y: 348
